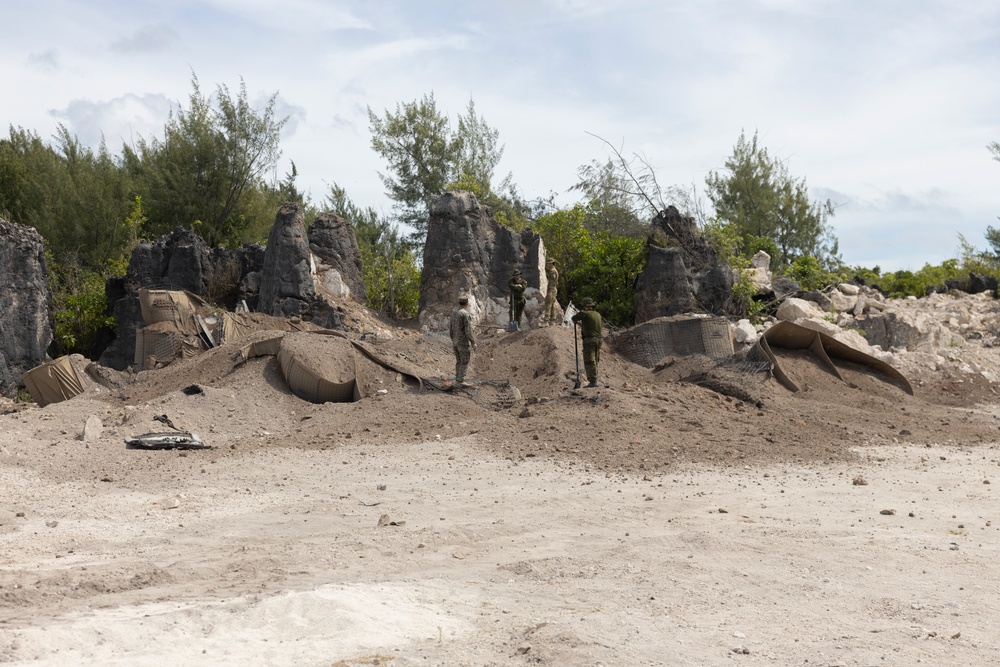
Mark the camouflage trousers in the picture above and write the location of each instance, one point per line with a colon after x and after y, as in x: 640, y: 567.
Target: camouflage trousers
x: 463, y: 354
x: 591, y: 357
x: 550, y: 306
x: 518, y: 309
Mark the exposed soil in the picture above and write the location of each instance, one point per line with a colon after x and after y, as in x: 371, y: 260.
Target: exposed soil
x: 691, y: 514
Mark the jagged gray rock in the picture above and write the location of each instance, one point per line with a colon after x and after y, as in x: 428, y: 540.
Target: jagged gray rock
x: 467, y: 251
x: 25, y: 321
x: 684, y: 277
x: 286, y: 278
x: 333, y: 241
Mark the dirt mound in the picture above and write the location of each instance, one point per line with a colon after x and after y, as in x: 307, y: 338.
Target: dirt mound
x: 685, y: 409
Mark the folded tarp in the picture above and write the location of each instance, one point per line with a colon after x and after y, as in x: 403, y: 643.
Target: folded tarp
x: 236, y: 326
x: 53, y: 381
x: 792, y: 336
x: 177, y: 306
x: 171, y: 440
x: 264, y: 344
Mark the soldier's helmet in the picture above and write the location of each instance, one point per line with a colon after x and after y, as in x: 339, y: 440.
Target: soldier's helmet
x: 463, y: 299
x: 588, y: 302
x: 517, y: 272
x: 550, y: 261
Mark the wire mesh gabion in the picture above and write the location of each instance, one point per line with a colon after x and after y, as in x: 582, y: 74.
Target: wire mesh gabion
x: 647, y: 343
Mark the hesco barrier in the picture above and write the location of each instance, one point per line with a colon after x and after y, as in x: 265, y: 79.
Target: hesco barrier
x: 647, y: 343
x: 177, y: 306
x: 319, y: 366
x: 53, y: 382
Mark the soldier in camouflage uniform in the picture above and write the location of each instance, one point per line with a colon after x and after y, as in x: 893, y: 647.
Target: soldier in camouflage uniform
x: 552, y: 276
x: 463, y: 338
x: 516, y: 286
x: 590, y: 330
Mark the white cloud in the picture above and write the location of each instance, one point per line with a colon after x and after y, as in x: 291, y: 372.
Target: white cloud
x: 47, y: 60
x: 120, y: 120
x: 147, y: 38
x: 296, y: 16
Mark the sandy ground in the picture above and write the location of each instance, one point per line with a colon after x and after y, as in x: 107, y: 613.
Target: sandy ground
x: 653, y: 521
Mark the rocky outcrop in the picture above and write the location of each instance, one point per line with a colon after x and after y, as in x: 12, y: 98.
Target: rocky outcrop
x: 25, y: 321
x: 682, y: 273
x: 287, y: 286
x: 338, y: 258
x: 287, y: 283
x: 179, y: 261
x: 975, y: 284
x: 663, y: 288
x: 468, y: 252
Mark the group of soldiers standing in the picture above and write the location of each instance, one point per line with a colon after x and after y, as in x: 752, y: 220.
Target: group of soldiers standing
x: 463, y: 336
x: 516, y: 287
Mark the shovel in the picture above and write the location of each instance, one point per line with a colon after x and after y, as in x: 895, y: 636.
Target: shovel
x: 576, y: 351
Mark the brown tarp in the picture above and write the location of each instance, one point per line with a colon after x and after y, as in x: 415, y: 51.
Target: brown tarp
x: 180, y: 324
x: 270, y: 345
x: 241, y: 325
x: 53, y: 381
x: 792, y: 336
x: 175, y: 306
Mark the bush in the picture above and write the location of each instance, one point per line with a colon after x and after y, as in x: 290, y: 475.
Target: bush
x: 810, y: 275
x: 79, y: 305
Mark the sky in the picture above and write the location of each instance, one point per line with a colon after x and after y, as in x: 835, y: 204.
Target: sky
x: 885, y: 107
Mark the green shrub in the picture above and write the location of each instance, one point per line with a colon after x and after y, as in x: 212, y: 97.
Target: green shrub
x: 79, y: 305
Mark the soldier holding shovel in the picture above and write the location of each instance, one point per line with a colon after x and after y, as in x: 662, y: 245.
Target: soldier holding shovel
x: 590, y: 330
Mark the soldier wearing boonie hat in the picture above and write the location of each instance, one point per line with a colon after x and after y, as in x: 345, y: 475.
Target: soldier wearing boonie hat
x: 590, y: 330
x: 517, y: 285
x: 463, y: 338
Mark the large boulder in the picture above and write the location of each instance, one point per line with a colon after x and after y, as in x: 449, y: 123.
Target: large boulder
x: 287, y: 279
x: 25, y: 321
x: 794, y: 309
x: 335, y: 246
x: 903, y: 330
x: 468, y: 252
x: 663, y: 288
x: 682, y: 273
